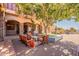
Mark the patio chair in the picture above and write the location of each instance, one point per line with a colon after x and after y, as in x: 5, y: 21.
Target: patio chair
x: 54, y: 38
x: 45, y: 39
x: 22, y: 38
x: 30, y: 42
x: 51, y: 39
x: 40, y: 38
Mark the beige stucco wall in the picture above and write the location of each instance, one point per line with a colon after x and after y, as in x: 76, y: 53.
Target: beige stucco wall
x: 21, y: 30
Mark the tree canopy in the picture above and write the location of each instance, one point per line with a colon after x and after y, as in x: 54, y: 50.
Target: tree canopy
x: 51, y: 12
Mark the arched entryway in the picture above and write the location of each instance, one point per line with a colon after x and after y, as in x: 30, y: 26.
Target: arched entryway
x: 12, y: 27
x: 27, y: 27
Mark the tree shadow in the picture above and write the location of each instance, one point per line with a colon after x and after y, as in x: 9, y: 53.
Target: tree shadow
x: 66, y: 48
x: 6, y: 49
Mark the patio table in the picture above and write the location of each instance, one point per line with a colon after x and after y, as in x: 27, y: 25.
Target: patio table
x: 35, y: 38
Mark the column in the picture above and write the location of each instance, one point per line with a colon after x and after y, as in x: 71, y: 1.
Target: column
x: 2, y: 25
x: 29, y: 28
x: 43, y: 29
x: 4, y: 29
x: 21, y: 28
x: 1, y: 30
x: 36, y: 29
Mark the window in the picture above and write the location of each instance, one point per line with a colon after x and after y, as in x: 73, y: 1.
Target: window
x: 10, y: 27
x: 11, y: 6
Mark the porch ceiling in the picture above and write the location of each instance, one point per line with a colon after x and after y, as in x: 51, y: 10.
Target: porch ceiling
x: 24, y: 20
x: 18, y: 19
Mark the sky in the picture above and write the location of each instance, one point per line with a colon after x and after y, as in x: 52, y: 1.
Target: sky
x: 67, y: 24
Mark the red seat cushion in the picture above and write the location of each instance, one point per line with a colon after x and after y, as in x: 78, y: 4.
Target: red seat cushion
x: 20, y: 36
x: 24, y: 38
x: 46, y: 38
x: 30, y: 42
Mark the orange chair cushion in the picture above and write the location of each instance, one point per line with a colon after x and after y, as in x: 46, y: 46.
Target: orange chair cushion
x: 31, y: 43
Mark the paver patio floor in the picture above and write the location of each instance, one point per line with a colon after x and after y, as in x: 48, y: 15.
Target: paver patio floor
x: 6, y: 48
x: 65, y: 47
x: 51, y: 49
